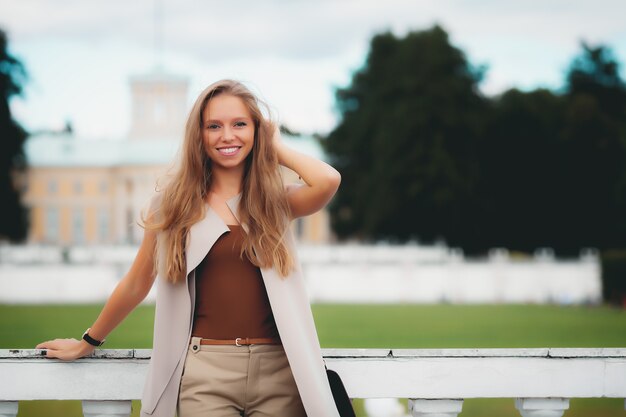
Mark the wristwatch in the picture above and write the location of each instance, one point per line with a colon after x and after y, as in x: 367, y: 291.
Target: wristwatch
x: 91, y: 340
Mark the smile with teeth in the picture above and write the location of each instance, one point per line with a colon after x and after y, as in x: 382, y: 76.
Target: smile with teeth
x: 229, y: 151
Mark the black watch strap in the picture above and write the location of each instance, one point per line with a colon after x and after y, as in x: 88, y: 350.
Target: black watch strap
x: 91, y: 340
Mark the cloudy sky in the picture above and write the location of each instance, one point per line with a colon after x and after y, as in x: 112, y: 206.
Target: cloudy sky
x: 81, y: 53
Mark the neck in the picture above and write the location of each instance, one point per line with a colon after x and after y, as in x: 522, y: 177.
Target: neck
x: 226, y: 183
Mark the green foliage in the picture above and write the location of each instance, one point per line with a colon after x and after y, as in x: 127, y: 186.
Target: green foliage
x: 552, y: 165
x: 594, y: 141
x: 404, y: 145
x: 595, y: 72
x: 12, y: 160
x: 517, y: 155
x: 424, y: 156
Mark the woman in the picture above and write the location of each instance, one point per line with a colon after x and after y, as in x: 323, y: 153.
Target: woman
x: 234, y: 333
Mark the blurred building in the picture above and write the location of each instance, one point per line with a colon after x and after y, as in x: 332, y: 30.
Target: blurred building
x: 82, y: 191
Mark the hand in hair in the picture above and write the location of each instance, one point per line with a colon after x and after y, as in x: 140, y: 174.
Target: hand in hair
x: 322, y: 180
x: 277, y: 141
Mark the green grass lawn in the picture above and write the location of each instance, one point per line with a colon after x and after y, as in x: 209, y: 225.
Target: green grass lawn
x: 364, y: 326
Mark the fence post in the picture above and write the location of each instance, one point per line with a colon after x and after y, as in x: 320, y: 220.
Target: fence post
x: 542, y: 407
x: 107, y: 408
x: 435, y: 408
x: 8, y: 408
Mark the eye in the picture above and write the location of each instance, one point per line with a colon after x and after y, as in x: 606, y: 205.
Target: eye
x: 213, y: 126
x: 241, y: 124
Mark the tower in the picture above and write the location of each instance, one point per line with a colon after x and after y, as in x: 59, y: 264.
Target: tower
x: 159, y: 105
x: 159, y: 99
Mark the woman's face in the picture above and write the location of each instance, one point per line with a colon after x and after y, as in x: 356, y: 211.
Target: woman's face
x: 227, y: 131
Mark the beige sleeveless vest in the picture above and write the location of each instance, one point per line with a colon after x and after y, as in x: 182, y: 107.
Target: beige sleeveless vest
x: 173, y: 322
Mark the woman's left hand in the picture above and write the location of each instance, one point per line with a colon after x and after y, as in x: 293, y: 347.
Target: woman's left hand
x: 321, y: 181
x: 277, y: 142
x: 65, y: 349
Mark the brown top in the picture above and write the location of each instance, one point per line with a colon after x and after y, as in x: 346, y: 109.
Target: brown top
x: 231, y: 300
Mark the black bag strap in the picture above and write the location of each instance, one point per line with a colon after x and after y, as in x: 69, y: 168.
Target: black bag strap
x: 340, y: 395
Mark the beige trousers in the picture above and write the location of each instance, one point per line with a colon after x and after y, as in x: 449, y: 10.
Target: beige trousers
x: 234, y: 381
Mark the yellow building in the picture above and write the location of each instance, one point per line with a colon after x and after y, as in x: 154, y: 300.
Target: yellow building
x: 82, y: 191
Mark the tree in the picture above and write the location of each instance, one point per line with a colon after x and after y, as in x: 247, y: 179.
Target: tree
x: 406, y: 141
x: 595, y: 72
x: 594, y: 149
x: 423, y: 155
x: 521, y: 176
x: 552, y: 164
x: 13, y: 223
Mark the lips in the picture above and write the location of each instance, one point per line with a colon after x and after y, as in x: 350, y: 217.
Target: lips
x: 229, y: 151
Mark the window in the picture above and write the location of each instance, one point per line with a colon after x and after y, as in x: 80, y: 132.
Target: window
x: 104, y: 187
x: 159, y: 113
x: 52, y: 187
x: 130, y: 222
x: 103, y: 225
x: 78, y: 226
x: 52, y: 225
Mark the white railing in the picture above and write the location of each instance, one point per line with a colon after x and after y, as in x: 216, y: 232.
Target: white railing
x: 434, y: 380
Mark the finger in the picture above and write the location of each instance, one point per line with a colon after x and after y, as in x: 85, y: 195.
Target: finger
x: 50, y: 353
x: 63, y: 355
x: 43, y: 345
x: 49, y: 344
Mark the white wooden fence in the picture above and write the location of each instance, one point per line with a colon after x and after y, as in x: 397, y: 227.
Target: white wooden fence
x: 434, y: 380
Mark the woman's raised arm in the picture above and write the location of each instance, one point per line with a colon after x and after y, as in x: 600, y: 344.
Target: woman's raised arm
x: 321, y: 180
x: 128, y: 293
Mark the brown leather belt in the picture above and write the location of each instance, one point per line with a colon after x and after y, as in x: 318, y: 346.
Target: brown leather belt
x: 242, y: 341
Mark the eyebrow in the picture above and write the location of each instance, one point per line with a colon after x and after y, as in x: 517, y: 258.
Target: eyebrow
x: 233, y: 119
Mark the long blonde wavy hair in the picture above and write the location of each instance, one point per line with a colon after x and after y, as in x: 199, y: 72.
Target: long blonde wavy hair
x: 263, y: 205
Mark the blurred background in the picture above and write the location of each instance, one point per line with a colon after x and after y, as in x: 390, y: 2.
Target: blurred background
x: 482, y: 147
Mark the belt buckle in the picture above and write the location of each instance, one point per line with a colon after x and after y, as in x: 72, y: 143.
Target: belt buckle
x: 237, y: 341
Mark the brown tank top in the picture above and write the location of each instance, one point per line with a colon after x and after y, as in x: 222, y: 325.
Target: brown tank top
x: 231, y: 300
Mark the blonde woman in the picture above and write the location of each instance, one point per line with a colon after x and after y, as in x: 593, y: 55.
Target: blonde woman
x: 233, y: 334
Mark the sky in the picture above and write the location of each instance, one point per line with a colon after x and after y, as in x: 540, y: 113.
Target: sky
x: 80, y: 54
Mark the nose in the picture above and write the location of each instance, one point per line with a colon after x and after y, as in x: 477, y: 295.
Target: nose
x: 229, y: 135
